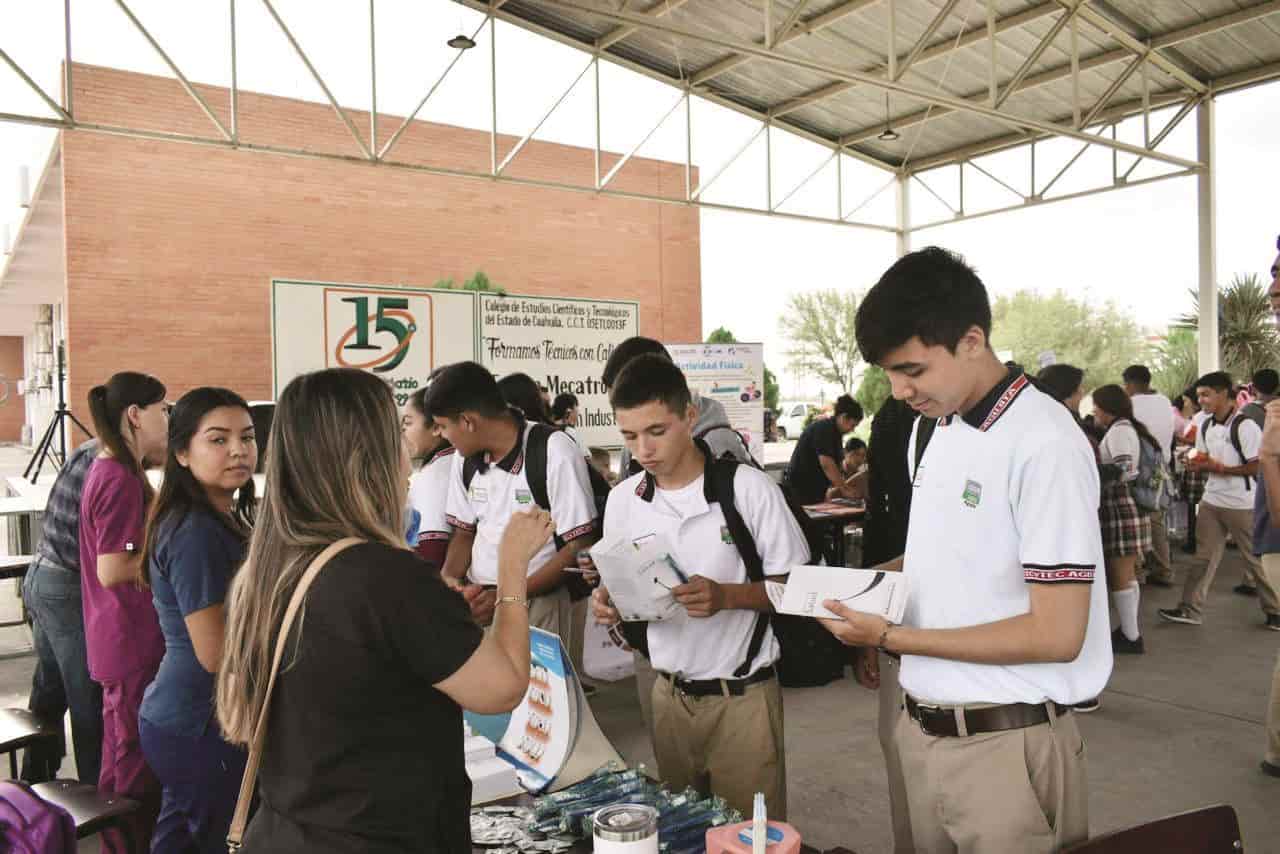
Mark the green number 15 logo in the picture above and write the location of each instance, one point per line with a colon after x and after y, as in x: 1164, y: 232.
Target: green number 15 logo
x: 391, y: 316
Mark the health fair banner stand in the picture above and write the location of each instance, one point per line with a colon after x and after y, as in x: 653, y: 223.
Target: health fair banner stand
x: 732, y: 374
x: 400, y: 334
x: 562, y: 343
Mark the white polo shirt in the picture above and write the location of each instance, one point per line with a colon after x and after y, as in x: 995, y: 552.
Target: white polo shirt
x: 502, y: 488
x: 1229, y: 491
x: 1004, y: 497
x: 1122, y: 446
x: 709, y: 647
x: 1156, y: 414
x: 429, y: 495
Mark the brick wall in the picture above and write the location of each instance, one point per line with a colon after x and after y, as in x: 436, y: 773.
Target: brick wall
x: 12, y: 412
x: 171, y: 247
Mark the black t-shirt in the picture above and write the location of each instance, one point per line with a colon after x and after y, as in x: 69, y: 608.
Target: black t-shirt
x: 362, y: 754
x: 805, y: 476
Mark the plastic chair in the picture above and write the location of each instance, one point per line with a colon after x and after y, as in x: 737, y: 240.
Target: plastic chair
x: 92, y: 811
x: 1211, y: 830
x: 20, y: 728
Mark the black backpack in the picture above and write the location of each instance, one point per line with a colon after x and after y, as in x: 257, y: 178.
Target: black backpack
x: 535, y: 469
x: 811, y: 656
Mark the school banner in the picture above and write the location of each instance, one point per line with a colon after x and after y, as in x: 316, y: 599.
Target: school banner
x: 397, y: 333
x: 563, y: 343
x: 732, y: 374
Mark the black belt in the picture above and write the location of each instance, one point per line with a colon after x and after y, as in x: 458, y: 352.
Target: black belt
x: 941, y: 720
x: 718, y: 687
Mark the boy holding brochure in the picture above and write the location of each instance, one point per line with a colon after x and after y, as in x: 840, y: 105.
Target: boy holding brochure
x: 718, y: 718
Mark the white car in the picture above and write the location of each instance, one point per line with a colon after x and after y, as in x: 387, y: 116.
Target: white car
x: 792, y: 416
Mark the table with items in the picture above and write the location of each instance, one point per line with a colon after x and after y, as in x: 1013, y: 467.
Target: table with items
x: 834, y: 517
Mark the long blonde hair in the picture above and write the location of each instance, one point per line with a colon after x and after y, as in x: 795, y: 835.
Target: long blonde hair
x: 332, y: 471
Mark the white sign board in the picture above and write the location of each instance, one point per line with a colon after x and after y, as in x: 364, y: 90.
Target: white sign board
x: 399, y: 334
x: 733, y: 375
x: 563, y: 343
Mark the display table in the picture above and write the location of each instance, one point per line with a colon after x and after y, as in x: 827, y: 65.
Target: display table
x: 832, y: 517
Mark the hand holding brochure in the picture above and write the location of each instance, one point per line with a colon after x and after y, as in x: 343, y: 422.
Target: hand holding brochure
x: 639, y: 576
x: 867, y: 590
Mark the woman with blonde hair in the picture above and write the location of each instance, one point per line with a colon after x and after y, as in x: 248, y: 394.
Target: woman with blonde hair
x: 363, y: 744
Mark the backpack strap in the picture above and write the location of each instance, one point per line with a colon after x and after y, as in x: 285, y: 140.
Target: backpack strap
x: 702, y: 434
x: 720, y: 488
x: 470, y: 468
x: 1234, y: 430
x: 535, y: 468
x: 924, y: 432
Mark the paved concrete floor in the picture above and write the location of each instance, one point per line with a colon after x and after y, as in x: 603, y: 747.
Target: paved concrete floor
x: 1179, y: 728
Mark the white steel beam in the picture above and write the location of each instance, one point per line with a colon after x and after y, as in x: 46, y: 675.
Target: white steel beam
x: 617, y: 167
x: 427, y: 97
x: 873, y: 196
x: 902, y: 205
x: 804, y: 183
x: 67, y: 88
x: 1168, y: 129
x: 934, y: 193
x: 1000, y: 181
x: 342, y: 114
x: 1131, y: 43
x: 1207, y: 242
x: 52, y: 104
x: 1034, y: 57
x: 525, y: 139
x: 705, y: 185
x: 923, y: 42
x: 235, y: 78
x: 182, y: 78
x: 791, y: 20
x: 933, y: 96
x: 373, y: 83
x: 1115, y: 87
x: 657, y: 10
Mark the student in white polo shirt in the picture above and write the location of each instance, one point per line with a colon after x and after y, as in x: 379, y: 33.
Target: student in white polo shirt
x: 717, y: 708
x: 1006, y: 623
x: 489, y: 483
x: 1227, y: 452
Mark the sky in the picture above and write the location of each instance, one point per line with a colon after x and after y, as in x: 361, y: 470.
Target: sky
x: 1135, y: 247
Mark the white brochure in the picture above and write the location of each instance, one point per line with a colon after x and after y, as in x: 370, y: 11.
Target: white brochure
x: 640, y: 575
x: 870, y: 591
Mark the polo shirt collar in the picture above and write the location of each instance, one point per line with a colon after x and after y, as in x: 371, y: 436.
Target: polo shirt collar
x: 648, y: 485
x: 513, y: 462
x: 987, y: 411
x: 1226, y: 420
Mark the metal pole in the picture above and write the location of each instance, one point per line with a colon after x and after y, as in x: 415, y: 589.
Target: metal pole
x: 519, y: 146
x: 597, y: 83
x: 839, y: 186
x: 1206, y: 208
x: 961, y: 211
x: 688, y: 145
x: 66, y: 69
x: 493, y: 95
x: 373, y: 87
x: 993, y: 86
x: 903, y: 199
x: 1075, y: 71
x: 768, y: 166
x: 893, y: 39
x: 235, y: 86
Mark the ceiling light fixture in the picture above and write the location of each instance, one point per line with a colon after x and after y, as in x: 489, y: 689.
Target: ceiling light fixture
x: 462, y: 42
x: 888, y: 134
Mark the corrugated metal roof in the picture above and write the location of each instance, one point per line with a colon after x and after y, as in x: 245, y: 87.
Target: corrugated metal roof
x: 1193, y: 48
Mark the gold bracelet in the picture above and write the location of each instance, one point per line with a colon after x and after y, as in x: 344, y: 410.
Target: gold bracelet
x: 520, y: 600
x: 884, y: 637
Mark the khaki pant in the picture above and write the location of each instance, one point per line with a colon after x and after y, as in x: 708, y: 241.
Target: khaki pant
x: 1160, y: 569
x: 1213, y: 523
x: 577, y: 632
x: 890, y: 707
x: 723, y: 745
x: 1022, y: 790
x: 645, y: 677
x: 1273, y: 717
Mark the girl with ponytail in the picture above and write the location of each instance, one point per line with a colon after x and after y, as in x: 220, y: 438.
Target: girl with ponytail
x: 122, y: 632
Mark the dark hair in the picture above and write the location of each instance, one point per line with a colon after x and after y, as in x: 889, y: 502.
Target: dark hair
x: 1138, y: 375
x: 1060, y: 380
x: 107, y: 405
x: 931, y: 294
x: 520, y: 391
x: 180, y: 492
x: 846, y: 405
x: 1113, y: 399
x: 1217, y: 380
x: 562, y: 404
x: 418, y: 400
x: 1179, y: 401
x: 635, y: 346
x: 464, y: 387
x: 648, y: 378
x: 854, y: 444
x: 1266, y: 381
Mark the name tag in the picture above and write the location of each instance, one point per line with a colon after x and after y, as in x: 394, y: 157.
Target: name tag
x: 524, y: 496
x: 478, y: 494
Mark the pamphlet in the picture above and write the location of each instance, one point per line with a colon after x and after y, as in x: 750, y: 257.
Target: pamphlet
x: 640, y: 575
x: 868, y: 590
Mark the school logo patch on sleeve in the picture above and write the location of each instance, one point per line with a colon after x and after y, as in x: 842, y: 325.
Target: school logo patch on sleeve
x: 972, y: 496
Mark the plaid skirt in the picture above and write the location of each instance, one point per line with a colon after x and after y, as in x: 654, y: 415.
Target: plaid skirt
x: 1192, y: 486
x: 1125, y: 529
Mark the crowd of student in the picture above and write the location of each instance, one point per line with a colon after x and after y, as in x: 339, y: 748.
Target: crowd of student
x: 445, y: 531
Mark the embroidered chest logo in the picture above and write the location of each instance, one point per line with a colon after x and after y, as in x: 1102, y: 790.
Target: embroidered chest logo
x: 972, y: 495
x: 478, y: 494
x: 725, y: 536
x: 523, y: 496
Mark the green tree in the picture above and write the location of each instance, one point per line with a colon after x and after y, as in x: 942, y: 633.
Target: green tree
x: 1247, y: 334
x: 820, y: 326
x: 478, y: 282
x: 873, y: 391
x: 1101, y: 340
x: 1176, y: 362
x: 723, y: 336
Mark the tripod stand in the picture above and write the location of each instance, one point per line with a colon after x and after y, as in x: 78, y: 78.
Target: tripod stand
x: 57, y: 427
